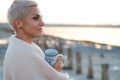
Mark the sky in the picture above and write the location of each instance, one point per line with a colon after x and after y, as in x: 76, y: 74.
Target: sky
x: 73, y: 11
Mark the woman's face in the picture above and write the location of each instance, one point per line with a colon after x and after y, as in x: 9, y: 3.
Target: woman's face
x: 32, y: 23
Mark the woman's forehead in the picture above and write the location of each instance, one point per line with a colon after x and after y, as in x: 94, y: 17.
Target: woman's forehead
x: 34, y: 10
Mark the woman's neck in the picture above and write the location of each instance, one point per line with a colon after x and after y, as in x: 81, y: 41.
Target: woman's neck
x: 25, y: 38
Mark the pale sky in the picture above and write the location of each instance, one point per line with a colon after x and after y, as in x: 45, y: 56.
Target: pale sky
x: 74, y: 11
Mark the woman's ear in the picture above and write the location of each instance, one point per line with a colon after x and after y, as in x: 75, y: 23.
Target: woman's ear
x: 18, y: 23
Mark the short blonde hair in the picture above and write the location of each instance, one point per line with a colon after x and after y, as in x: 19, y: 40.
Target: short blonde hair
x: 18, y: 10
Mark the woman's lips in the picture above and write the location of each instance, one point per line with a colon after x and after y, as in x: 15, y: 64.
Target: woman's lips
x: 40, y: 30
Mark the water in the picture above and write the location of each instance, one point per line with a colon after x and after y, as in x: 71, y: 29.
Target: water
x: 111, y: 57
x: 1, y: 73
x: 1, y: 68
x: 105, y: 35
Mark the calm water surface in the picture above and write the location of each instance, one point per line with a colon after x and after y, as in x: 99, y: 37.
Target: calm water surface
x: 107, y: 35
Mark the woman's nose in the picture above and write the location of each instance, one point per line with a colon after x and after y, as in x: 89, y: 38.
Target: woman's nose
x: 41, y: 23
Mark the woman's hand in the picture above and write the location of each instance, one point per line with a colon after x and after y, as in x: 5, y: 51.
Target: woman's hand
x: 59, y: 65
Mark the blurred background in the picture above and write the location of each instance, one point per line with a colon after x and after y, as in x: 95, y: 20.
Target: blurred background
x: 86, y: 32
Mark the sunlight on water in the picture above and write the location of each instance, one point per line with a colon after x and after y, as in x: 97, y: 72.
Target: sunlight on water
x: 3, y: 41
x: 101, y: 35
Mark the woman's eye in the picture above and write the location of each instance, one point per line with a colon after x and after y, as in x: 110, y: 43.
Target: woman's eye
x: 36, y: 17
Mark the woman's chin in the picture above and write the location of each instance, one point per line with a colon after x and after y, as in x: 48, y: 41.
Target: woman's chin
x: 39, y: 35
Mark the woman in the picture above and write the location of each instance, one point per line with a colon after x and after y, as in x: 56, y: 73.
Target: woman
x: 24, y: 60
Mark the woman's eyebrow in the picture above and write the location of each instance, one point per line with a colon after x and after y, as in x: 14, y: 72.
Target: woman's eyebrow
x: 38, y: 15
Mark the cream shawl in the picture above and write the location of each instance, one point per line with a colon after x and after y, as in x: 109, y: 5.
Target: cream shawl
x: 24, y: 61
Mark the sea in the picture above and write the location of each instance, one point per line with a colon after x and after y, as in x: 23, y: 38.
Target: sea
x: 104, y: 35
x: 109, y: 36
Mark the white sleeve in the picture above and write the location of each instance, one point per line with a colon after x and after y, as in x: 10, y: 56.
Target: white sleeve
x: 45, y: 70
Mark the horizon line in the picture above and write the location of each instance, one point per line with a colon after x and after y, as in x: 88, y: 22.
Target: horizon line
x: 76, y: 25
